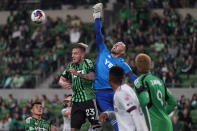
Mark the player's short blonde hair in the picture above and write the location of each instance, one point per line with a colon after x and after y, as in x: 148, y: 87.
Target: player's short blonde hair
x: 143, y: 63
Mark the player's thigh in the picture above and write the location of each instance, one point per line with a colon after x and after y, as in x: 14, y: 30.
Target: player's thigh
x: 104, y: 100
x: 91, y: 110
x: 77, y: 116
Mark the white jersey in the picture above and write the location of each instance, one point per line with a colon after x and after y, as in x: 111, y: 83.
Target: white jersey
x: 127, y: 110
x: 66, y: 126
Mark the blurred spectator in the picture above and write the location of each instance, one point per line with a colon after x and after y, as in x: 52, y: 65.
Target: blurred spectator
x: 158, y: 46
x: 66, y: 112
x: 194, y: 102
x: 16, y: 124
x: 185, y: 117
x: 44, y: 100
x: 34, y: 99
x: 4, y: 125
x: 181, y: 102
x: 55, y: 100
x: 74, y: 34
x: 18, y: 81
x: 177, y: 125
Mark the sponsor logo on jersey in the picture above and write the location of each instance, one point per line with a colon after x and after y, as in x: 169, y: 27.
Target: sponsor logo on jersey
x: 108, y: 63
x: 80, y: 71
x: 136, y: 83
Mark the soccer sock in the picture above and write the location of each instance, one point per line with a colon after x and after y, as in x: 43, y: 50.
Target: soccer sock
x: 114, y: 124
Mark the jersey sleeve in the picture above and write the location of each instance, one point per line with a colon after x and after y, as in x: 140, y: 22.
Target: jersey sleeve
x: 66, y: 74
x: 99, y: 37
x: 128, y: 71
x: 124, y: 100
x: 90, y: 65
x: 142, y: 92
x: 28, y: 125
x: 171, y: 102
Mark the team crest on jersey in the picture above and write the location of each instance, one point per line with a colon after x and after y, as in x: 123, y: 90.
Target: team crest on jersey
x: 80, y: 71
x: 127, y: 98
x: 108, y: 63
x: 136, y: 83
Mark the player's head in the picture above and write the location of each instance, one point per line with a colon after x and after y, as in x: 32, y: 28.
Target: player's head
x: 36, y: 108
x: 78, y: 53
x: 67, y: 101
x: 143, y: 63
x: 116, y: 75
x: 118, y: 49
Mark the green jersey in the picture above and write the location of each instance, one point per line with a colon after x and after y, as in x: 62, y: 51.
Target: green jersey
x: 82, y: 88
x: 156, y: 100
x: 32, y: 124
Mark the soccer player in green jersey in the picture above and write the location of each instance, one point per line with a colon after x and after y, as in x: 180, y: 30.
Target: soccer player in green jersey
x: 35, y: 123
x: 156, y: 100
x: 79, y: 75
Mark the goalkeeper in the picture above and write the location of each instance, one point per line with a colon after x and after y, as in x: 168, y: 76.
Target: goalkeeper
x: 156, y: 100
x: 105, y: 60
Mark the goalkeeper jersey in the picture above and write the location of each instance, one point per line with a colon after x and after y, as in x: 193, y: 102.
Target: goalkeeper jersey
x: 82, y: 88
x: 156, y: 100
x: 105, y: 61
x: 32, y: 124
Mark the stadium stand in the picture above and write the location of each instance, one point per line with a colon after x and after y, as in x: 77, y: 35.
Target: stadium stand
x: 27, y: 49
x: 169, y: 39
x: 30, y: 53
x: 13, y: 112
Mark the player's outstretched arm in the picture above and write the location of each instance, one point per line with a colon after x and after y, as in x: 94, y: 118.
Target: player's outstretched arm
x: 64, y: 83
x: 97, y: 11
x: 171, y: 102
x: 131, y: 75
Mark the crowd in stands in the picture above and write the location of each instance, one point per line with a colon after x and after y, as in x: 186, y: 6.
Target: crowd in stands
x: 170, y: 40
x: 44, y: 4
x: 57, y: 4
x: 30, y: 52
x: 14, y: 112
x: 184, y: 117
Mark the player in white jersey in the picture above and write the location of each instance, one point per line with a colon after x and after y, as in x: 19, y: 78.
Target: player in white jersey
x: 127, y: 108
x: 66, y: 112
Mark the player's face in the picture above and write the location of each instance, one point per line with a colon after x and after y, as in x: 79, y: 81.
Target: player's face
x: 37, y: 109
x: 118, y: 48
x: 77, y: 55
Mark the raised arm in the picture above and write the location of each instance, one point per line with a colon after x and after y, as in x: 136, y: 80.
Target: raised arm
x: 97, y: 10
x: 129, y: 72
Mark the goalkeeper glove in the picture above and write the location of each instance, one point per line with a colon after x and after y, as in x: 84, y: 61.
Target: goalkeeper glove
x: 97, y: 10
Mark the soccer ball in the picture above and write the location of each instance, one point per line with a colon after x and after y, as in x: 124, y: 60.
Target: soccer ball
x: 38, y: 16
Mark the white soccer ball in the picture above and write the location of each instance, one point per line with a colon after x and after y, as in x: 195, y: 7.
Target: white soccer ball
x: 38, y: 16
